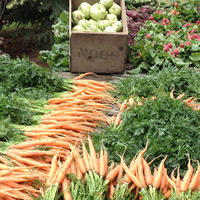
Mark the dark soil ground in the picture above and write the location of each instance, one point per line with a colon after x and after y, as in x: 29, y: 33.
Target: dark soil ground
x: 19, y: 47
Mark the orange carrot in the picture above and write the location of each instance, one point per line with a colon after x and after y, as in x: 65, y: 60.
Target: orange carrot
x: 169, y: 180
x: 4, y: 160
x: 93, y: 155
x: 147, y: 173
x: 102, y: 170
x: 85, y: 74
x: 163, y: 181
x: 180, y: 96
x: 167, y: 194
x: 106, y: 160
x: 136, y: 193
x: 178, y: 182
x: 111, y: 190
x: 85, y: 158
x: 27, y: 161
x: 53, y: 169
x: 112, y: 165
x: 158, y: 177
x: 187, y: 177
x: 64, y: 168
x: 131, y: 175
x: 80, y: 163
x: 112, y: 174
x: 172, y: 175
x: 172, y: 94
x: 65, y: 189
x: 194, y: 181
x: 31, y: 144
x: 73, y: 168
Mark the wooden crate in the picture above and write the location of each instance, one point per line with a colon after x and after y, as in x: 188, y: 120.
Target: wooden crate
x: 98, y: 52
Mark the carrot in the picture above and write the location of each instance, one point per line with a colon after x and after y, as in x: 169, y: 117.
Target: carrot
x: 131, y: 175
x: 131, y: 101
x: 65, y: 189
x: 147, y: 173
x: 172, y: 175
x: 194, y: 181
x: 167, y: 194
x: 64, y: 168
x: 80, y: 163
x: 112, y: 174
x: 178, y: 181
x: 85, y: 74
x: 188, y: 100
x: 140, y: 166
x: 187, y: 177
x: 4, y: 160
x: 85, y: 158
x: 111, y: 190
x: 152, y: 98
x: 163, y: 181
x: 102, y: 170
x: 27, y: 161
x: 93, y: 155
x: 106, y: 160
x: 53, y: 169
x: 172, y: 94
x: 13, y: 179
x: 169, y: 180
x: 73, y: 169
x: 79, y: 173
x: 31, y: 144
x: 136, y: 193
x: 118, y: 119
x: 111, y: 165
x: 4, y: 193
x: 158, y: 177
x: 180, y: 96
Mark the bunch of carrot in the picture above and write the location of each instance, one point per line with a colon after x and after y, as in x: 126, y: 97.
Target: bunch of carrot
x: 133, y: 101
x: 46, y: 149
x: 95, y: 177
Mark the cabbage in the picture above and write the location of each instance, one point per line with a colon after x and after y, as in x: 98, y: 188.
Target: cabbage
x: 111, y: 18
x: 115, y: 9
x: 109, y: 29
x: 98, y: 12
x: 92, y: 27
x: 106, y: 3
x: 102, y: 24
x: 84, y: 23
x: 77, y: 15
x: 78, y: 28
x: 118, y: 26
x: 85, y: 8
x: 92, y: 21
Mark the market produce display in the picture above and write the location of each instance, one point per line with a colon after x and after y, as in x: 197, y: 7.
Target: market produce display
x: 104, y: 16
x: 82, y: 139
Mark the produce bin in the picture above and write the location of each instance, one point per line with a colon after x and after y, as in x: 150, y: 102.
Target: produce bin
x: 98, y: 52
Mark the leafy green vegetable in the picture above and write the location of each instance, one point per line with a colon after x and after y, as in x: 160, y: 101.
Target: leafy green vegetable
x: 183, y: 81
x: 24, y: 90
x: 58, y: 57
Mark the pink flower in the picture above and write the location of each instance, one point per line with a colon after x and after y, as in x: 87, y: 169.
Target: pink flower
x: 188, y: 43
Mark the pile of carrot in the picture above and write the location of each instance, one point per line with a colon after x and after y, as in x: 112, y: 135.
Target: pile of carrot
x: 57, y: 148
x: 116, y: 119
x: 138, y: 175
x: 72, y: 118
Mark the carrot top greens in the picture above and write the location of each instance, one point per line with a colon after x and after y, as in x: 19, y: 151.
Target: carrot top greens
x: 25, y: 88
